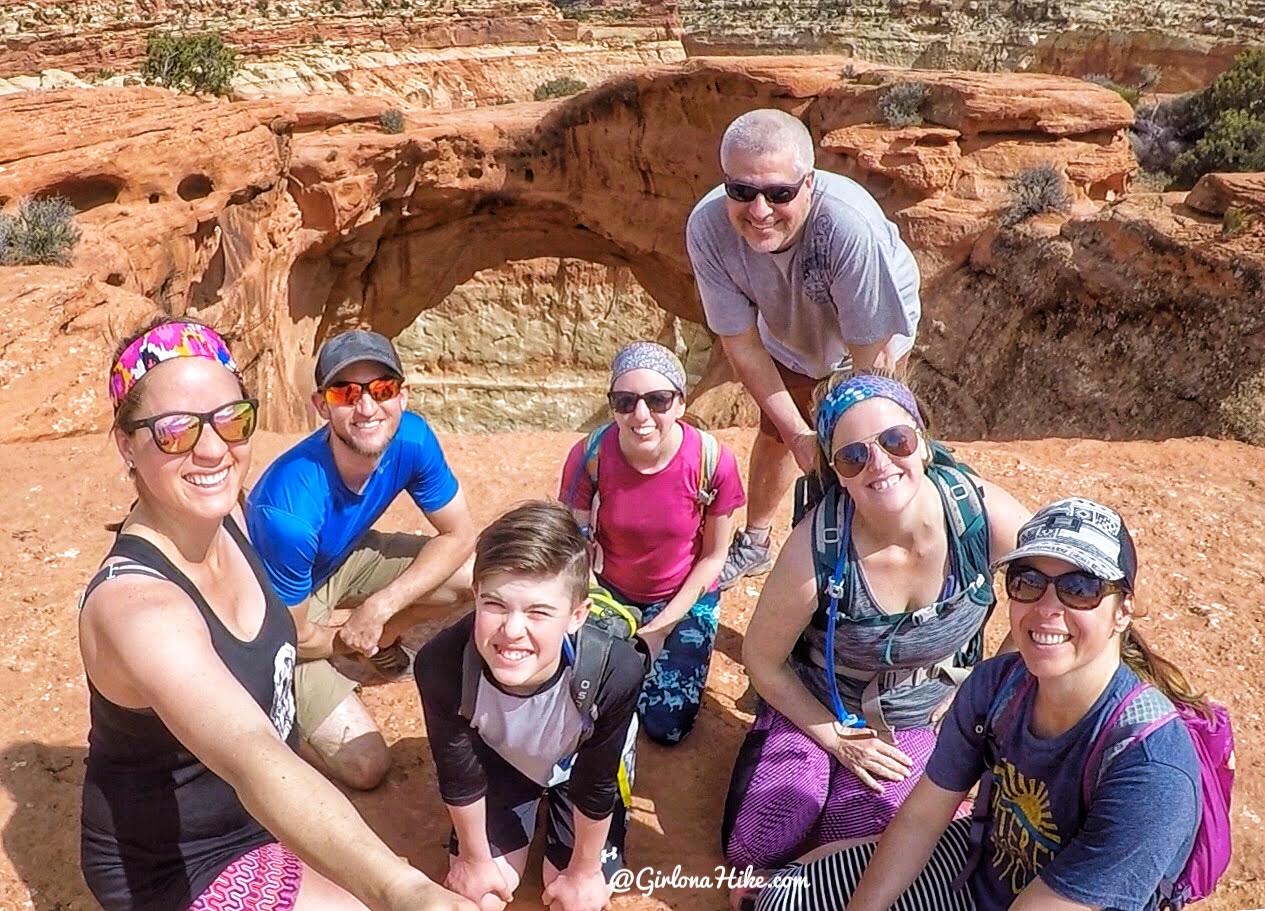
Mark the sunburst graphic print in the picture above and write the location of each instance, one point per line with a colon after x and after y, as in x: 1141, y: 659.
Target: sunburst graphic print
x: 1025, y: 835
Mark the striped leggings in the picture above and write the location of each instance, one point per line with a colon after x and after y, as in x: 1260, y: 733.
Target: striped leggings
x: 827, y: 884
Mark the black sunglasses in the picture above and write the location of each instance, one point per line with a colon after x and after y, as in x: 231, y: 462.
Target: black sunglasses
x: 179, y: 431
x: 778, y: 194
x: 1078, y: 589
x: 850, y: 459
x: 658, y: 401
x: 383, y: 389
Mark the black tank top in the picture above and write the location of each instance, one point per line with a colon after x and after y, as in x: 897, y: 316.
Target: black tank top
x: 157, y: 825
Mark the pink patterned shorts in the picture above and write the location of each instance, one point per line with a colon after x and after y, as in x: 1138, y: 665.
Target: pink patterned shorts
x: 266, y: 879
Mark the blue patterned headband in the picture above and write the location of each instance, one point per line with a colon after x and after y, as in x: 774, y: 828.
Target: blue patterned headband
x: 649, y: 356
x: 857, y: 389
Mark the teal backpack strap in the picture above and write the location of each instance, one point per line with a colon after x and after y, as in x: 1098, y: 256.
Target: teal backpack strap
x: 588, y: 461
x: 964, y: 507
x: 707, y: 470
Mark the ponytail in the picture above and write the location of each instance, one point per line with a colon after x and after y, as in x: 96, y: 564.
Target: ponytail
x: 1160, y: 672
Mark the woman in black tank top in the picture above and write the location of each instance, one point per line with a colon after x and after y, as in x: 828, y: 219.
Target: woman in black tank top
x: 190, y: 660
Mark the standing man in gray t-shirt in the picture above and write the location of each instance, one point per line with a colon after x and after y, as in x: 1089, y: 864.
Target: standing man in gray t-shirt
x: 799, y: 270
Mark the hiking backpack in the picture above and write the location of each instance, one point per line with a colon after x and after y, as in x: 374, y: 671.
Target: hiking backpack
x: 588, y: 653
x: 969, y: 555
x: 1142, y: 711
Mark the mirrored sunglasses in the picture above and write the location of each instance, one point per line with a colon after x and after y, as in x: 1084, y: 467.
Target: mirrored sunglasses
x: 1078, y: 589
x: 850, y: 459
x: 383, y: 389
x: 179, y: 431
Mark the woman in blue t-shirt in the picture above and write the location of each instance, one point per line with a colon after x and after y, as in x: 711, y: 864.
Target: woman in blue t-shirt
x: 1031, y: 723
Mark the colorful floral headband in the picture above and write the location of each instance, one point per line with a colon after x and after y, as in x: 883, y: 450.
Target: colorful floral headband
x: 165, y: 343
x: 855, y: 390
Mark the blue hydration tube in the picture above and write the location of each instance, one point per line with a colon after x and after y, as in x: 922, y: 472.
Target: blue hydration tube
x: 835, y: 590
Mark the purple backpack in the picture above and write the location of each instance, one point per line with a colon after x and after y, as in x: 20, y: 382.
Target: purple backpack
x: 1143, y: 711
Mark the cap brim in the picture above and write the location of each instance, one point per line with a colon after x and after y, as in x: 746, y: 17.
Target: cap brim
x: 1078, y: 557
x: 360, y: 359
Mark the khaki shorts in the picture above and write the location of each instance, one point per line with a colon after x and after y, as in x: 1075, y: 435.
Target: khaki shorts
x: 377, y: 560
x: 801, y: 389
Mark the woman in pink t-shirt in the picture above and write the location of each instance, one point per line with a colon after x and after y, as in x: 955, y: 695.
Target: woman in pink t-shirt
x: 663, y: 529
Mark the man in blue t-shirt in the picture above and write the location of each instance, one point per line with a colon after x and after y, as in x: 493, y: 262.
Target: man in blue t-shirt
x: 311, y: 518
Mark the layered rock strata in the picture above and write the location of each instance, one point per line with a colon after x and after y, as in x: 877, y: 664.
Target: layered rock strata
x: 286, y: 221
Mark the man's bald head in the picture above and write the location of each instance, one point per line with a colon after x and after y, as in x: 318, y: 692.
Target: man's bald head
x: 767, y: 131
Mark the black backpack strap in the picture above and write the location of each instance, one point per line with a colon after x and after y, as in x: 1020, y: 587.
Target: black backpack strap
x: 471, y: 674
x: 592, y: 657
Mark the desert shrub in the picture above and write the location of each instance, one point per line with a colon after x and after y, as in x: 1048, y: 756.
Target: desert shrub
x: 559, y: 88
x: 1035, y: 190
x: 1129, y: 93
x: 189, y: 62
x: 1243, y: 411
x: 391, y: 120
x: 1235, y: 221
x: 1234, y: 142
x: 1149, y: 76
x: 44, y: 232
x: 1228, y: 122
x: 1163, y: 130
x: 901, y: 104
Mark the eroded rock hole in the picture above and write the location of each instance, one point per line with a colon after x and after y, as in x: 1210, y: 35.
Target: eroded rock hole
x: 85, y: 193
x: 195, y: 186
x: 528, y: 345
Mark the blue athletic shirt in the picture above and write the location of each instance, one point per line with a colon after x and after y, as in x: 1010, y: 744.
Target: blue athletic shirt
x: 303, y: 519
x: 1112, y: 854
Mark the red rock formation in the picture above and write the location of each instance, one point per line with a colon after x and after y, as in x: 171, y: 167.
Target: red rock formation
x: 285, y: 221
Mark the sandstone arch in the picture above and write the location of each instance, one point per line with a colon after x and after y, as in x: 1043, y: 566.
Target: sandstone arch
x: 315, y: 219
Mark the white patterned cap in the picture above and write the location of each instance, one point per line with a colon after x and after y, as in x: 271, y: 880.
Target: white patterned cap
x: 1086, y: 534
x: 643, y: 355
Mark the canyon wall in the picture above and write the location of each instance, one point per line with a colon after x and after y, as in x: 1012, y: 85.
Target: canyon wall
x: 1189, y: 42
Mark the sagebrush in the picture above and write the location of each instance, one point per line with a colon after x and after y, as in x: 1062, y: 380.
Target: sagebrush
x: 43, y: 233
x: 189, y: 62
x: 392, y: 120
x: 560, y: 87
x: 901, y: 104
x: 1036, y: 190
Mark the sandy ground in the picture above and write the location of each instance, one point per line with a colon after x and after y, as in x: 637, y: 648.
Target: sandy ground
x: 1197, y: 508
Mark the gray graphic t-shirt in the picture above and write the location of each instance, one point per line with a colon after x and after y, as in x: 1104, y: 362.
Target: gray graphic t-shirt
x: 849, y: 279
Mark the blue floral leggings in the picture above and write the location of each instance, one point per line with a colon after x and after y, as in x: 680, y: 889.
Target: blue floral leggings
x: 673, y: 691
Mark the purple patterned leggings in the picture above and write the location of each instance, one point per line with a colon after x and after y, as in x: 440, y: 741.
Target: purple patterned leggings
x: 788, y: 795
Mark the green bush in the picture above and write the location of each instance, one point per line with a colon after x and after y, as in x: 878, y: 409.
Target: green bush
x: 1234, y: 142
x: 1235, y: 221
x: 559, y: 88
x: 189, y: 62
x: 1035, y: 190
x: 43, y: 233
x: 391, y: 120
x: 901, y: 104
x: 1228, y: 118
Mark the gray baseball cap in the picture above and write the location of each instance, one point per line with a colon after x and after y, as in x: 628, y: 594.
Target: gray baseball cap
x: 348, y: 348
x: 1086, y: 534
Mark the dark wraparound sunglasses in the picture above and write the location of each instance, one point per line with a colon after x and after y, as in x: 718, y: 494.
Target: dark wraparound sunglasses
x: 850, y: 459
x: 658, y: 401
x: 179, y: 431
x: 778, y: 194
x: 383, y: 389
x: 1078, y: 589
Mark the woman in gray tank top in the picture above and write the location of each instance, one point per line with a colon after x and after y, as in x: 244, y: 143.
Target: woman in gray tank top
x: 872, y: 616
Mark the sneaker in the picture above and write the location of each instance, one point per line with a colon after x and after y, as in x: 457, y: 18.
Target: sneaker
x: 745, y: 558
x: 393, y: 661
